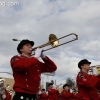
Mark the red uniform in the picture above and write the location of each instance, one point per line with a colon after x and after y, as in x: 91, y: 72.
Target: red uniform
x: 58, y: 94
x: 65, y: 95
x: 43, y: 96
x: 53, y: 94
x: 87, y: 86
x: 76, y: 97
x: 27, y: 73
x: 8, y: 96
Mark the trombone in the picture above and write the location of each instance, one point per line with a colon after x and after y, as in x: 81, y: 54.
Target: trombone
x: 53, y: 41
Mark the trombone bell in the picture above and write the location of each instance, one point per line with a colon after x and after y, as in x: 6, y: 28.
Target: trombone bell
x: 53, y: 40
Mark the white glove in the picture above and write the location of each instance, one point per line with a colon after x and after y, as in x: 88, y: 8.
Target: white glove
x: 71, y: 91
x: 54, y: 86
x: 3, y: 96
x: 42, y: 55
x: 39, y: 92
x: 95, y: 71
x: 38, y: 52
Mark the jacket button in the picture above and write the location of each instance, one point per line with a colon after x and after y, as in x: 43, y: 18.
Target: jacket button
x: 36, y: 65
x: 21, y: 97
x: 26, y: 73
x: 27, y: 85
x: 38, y: 70
x: 26, y: 79
x: 27, y: 98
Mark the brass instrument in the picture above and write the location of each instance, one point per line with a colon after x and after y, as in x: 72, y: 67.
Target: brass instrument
x: 53, y: 41
x: 97, y: 67
x: 57, y: 86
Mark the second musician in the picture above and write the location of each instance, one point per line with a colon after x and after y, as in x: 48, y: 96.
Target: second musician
x: 87, y: 84
x: 53, y: 93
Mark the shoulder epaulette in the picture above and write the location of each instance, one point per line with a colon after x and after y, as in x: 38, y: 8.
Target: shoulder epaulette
x: 80, y: 75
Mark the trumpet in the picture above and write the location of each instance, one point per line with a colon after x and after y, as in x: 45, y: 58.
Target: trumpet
x: 54, y: 41
x: 94, y: 69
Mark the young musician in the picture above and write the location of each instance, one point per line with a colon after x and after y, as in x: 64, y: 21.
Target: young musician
x: 66, y: 94
x: 27, y: 70
x: 53, y: 94
x: 43, y: 95
x: 87, y: 84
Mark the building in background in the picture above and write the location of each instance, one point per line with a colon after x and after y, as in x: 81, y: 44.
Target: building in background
x: 46, y: 76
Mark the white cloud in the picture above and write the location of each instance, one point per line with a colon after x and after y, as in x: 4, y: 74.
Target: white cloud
x: 36, y: 19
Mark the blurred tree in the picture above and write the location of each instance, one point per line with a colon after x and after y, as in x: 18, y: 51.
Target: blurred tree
x: 71, y: 82
x: 52, y: 81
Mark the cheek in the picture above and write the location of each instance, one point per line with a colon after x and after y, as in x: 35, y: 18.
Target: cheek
x: 87, y: 67
x: 66, y: 88
x: 25, y: 49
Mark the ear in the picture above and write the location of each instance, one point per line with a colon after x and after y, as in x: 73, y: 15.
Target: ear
x: 82, y: 66
x: 21, y: 49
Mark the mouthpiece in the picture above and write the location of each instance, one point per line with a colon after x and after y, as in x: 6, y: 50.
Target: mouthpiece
x: 16, y: 40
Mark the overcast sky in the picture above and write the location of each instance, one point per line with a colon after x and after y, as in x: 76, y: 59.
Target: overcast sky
x: 36, y: 19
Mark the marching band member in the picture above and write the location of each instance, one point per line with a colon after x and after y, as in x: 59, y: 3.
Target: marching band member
x: 38, y: 94
x: 4, y: 94
x: 53, y: 94
x: 87, y: 84
x: 66, y: 94
x: 57, y: 92
x: 27, y: 70
x: 43, y: 95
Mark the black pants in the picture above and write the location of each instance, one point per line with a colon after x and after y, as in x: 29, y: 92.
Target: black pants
x: 24, y: 96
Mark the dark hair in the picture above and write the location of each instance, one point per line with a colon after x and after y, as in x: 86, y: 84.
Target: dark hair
x: 65, y: 85
x: 43, y: 90
x: 82, y: 62
x: 50, y: 84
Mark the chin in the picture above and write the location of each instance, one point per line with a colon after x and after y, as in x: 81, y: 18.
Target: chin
x: 30, y: 52
x: 88, y: 69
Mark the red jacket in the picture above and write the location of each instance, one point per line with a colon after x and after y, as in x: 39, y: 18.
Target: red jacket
x: 27, y: 73
x: 8, y: 96
x: 58, y: 94
x: 53, y: 94
x: 76, y: 97
x: 87, y: 85
x: 65, y: 95
x: 43, y: 96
